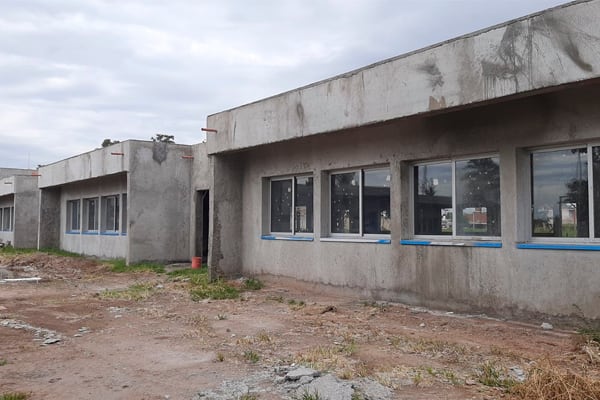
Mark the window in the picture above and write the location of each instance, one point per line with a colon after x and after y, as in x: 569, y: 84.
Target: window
x: 73, y: 222
x: 124, y: 213
x: 291, y: 205
x: 457, y: 198
x: 90, y: 215
x: 7, y: 219
x: 110, y: 213
x: 565, y: 192
x: 360, y: 202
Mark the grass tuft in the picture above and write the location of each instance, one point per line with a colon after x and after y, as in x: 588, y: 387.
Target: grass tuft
x: 137, y: 292
x: 119, y: 265
x: 253, y: 284
x: 251, y: 356
x: 491, y: 375
x: 202, y: 288
x: 14, y: 396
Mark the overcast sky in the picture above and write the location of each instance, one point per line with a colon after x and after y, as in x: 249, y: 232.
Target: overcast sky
x: 74, y: 72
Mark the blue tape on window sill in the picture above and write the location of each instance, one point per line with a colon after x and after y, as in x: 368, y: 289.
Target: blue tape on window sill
x: 415, y: 242
x: 109, y: 233
x: 91, y: 233
x: 291, y: 238
x: 355, y: 240
x: 557, y: 246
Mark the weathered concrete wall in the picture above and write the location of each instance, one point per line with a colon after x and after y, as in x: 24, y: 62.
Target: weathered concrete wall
x: 96, y: 244
x: 26, y: 211
x: 159, y: 202
x: 201, y: 180
x: 7, y: 172
x: 93, y: 164
x: 49, y: 218
x: 543, y: 51
x: 503, y: 280
x: 227, y: 210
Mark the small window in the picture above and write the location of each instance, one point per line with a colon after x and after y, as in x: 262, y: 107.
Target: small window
x: 565, y: 194
x: 360, y: 202
x: 73, y: 215
x: 291, y: 205
x: 457, y: 198
x: 6, y: 219
x: 90, y: 215
x: 124, y: 213
x: 110, y: 213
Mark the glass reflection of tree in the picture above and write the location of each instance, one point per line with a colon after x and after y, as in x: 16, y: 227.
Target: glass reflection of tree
x: 577, y: 195
x: 482, y: 189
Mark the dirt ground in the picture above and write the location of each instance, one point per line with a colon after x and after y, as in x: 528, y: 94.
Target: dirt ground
x: 163, y: 345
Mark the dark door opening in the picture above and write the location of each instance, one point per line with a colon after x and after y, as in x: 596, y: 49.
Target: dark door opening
x: 202, y: 221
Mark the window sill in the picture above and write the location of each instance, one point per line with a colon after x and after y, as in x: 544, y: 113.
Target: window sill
x: 90, y: 233
x: 467, y: 243
x: 558, y: 246
x: 109, y: 233
x: 290, y: 238
x: 73, y: 232
x: 355, y: 240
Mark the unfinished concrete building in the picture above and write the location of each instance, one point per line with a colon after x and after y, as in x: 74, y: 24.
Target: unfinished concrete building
x: 130, y: 200
x: 464, y: 176
x: 19, y: 207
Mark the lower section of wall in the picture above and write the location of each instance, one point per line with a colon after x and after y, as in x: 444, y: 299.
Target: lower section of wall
x: 103, y: 246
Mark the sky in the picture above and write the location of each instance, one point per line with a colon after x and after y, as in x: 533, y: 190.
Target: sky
x: 76, y: 72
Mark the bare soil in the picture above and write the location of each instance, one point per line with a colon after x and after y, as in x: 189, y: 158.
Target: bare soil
x: 167, y: 346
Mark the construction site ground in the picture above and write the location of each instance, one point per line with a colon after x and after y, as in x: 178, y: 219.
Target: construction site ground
x: 86, y: 332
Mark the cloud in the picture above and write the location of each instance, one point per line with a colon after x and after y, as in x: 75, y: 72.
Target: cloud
x: 73, y: 73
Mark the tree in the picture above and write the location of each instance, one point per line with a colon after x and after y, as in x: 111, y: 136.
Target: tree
x: 108, y: 142
x: 159, y: 137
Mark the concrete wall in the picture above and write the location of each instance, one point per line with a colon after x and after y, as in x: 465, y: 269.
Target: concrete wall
x: 26, y: 211
x: 201, y: 181
x: 96, y: 244
x: 7, y: 172
x: 539, y: 52
x: 159, y: 202
x: 505, y: 280
x: 49, y: 226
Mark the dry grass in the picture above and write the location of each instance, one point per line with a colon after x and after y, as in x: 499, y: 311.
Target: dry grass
x: 547, y: 381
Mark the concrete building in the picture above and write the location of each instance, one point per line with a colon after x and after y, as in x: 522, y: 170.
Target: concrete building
x: 366, y: 180
x: 129, y: 200
x: 19, y: 207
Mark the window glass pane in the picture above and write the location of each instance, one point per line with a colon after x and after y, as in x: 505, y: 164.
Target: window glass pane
x: 73, y: 215
x: 433, y: 199
x: 478, y: 197
x: 110, y: 213
x: 124, y: 213
x: 596, y: 193
x: 303, y: 204
x: 90, y: 211
x: 376, y: 201
x: 560, y: 193
x: 6, y: 219
x: 281, y: 206
x: 345, y: 202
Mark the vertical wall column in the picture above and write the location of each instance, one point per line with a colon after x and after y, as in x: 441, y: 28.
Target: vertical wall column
x: 49, y: 221
x: 226, y: 207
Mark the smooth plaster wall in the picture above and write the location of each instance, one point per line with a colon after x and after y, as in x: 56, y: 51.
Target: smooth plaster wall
x: 26, y: 211
x: 548, y: 49
x: 505, y: 281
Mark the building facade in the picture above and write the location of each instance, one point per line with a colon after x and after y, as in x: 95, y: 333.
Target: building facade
x: 18, y: 207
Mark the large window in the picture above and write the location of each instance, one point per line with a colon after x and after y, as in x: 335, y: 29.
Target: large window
x: 291, y: 205
x: 110, y: 214
x: 565, y: 192
x: 457, y: 198
x: 90, y: 215
x: 73, y: 215
x: 360, y: 202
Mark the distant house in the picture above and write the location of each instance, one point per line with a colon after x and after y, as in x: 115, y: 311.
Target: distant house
x: 19, y: 207
x: 129, y: 200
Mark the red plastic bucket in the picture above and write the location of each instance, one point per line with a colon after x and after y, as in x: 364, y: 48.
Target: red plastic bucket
x: 196, y: 262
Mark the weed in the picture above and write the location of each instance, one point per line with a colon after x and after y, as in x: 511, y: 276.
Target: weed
x: 306, y: 395
x: 14, y: 396
x: 451, y: 377
x: 251, y: 356
x: 418, y: 378
x: 590, y: 333
x: 137, y: 292
x: 3, y: 362
x: 278, y: 299
x: 200, y: 286
x: 492, y: 376
x: 221, y: 317
x: 220, y: 357
x: 263, y: 337
x: 253, y: 284
x: 119, y: 265
x: 248, y: 396
x: 11, y: 250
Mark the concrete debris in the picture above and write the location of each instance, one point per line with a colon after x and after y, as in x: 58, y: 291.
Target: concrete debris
x: 47, y: 336
x: 517, y: 374
x: 372, y: 390
x: 328, y: 387
x: 12, y: 280
x: 547, y: 326
x: 299, y: 372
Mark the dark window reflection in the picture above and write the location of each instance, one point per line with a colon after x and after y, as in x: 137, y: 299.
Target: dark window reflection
x: 281, y: 206
x: 478, y: 197
x: 345, y: 202
x: 596, y: 169
x: 303, y: 205
x: 560, y: 193
x: 433, y: 199
x: 376, y: 201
